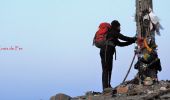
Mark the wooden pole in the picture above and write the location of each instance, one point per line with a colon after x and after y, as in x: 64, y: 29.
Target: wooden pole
x: 146, y: 38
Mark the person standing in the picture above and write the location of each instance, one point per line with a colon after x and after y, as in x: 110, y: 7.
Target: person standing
x: 108, y: 48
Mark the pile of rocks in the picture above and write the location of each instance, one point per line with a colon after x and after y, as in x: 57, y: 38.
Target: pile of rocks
x: 144, y: 92
x: 126, y: 91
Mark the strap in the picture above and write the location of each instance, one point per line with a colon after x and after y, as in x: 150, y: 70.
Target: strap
x: 110, y: 43
x: 94, y: 40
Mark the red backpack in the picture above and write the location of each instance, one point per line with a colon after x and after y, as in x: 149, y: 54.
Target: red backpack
x: 100, y: 36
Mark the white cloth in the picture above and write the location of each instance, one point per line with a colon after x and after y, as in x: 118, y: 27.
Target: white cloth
x: 155, y: 20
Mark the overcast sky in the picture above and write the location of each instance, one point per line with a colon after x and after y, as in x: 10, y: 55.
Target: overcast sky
x: 56, y: 37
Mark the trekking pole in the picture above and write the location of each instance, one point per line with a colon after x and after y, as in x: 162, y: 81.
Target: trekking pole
x: 129, y: 68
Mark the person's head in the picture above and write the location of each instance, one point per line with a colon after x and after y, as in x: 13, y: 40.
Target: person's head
x: 115, y: 25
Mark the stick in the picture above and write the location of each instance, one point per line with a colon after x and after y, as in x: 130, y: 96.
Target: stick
x: 129, y: 68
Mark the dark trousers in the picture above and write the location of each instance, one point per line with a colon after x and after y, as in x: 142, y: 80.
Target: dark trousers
x: 106, y: 55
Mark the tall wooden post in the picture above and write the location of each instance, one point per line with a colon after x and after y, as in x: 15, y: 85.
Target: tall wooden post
x: 148, y: 63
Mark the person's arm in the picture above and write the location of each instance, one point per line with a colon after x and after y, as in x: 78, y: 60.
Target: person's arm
x: 122, y: 44
x: 126, y: 38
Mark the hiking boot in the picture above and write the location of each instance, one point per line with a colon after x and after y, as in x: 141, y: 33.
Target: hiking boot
x: 107, y: 91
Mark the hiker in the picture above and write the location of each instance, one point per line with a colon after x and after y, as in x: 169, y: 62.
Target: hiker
x: 111, y: 35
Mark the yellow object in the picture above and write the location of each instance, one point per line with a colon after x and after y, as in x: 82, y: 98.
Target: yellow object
x: 146, y: 56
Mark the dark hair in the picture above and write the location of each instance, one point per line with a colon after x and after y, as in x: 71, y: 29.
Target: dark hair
x: 115, y: 24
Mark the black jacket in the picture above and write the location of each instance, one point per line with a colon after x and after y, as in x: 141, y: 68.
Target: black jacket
x: 114, y: 37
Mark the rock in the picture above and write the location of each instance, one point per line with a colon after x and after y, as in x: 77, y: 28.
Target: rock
x: 60, y: 96
x: 163, y: 88
x: 52, y: 98
x: 148, y: 81
x: 150, y: 92
x: 90, y: 93
x: 125, y: 91
x: 122, y: 89
x: 136, y: 90
x: 165, y: 97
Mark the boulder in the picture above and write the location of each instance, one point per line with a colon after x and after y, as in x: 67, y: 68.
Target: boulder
x: 60, y: 96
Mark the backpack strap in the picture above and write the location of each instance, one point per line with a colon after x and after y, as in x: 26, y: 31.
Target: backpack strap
x: 94, y: 40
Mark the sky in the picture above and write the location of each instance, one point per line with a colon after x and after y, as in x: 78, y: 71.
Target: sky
x: 57, y: 55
